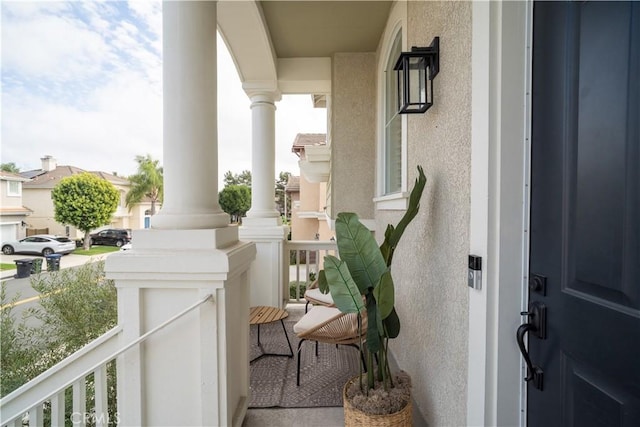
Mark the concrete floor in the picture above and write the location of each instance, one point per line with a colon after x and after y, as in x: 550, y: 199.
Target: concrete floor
x: 299, y: 417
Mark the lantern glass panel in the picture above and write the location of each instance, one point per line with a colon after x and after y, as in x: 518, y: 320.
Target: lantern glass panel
x: 417, y: 89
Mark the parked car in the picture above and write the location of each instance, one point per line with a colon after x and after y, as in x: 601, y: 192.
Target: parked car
x: 111, y: 237
x: 44, y: 244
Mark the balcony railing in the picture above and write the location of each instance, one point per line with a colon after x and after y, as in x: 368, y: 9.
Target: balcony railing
x: 303, y: 259
x: 85, y: 371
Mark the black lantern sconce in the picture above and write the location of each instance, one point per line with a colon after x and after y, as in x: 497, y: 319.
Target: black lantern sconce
x: 416, y: 71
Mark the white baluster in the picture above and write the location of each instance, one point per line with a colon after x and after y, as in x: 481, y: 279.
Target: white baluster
x: 57, y: 410
x: 36, y: 416
x: 80, y: 401
x: 100, y: 385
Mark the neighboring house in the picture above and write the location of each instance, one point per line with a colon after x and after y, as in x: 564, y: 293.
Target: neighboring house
x: 532, y: 156
x: 13, y: 215
x: 37, y: 196
x: 308, y: 193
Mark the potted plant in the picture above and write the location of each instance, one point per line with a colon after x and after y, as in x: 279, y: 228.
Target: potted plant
x: 360, y: 282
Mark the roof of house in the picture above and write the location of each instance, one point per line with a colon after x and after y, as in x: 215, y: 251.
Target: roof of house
x: 10, y: 176
x: 15, y: 210
x: 50, y: 179
x: 304, y: 139
x: 114, y: 179
x: 293, y: 184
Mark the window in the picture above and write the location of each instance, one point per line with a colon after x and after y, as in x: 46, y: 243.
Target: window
x: 392, y: 151
x: 14, y: 188
x: 392, y: 154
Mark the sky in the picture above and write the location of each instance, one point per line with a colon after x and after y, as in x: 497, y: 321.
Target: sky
x: 82, y: 82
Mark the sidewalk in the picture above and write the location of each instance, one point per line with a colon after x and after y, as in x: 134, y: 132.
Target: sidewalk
x: 70, y: 260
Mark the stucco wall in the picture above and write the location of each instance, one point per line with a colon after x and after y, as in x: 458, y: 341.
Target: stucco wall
x: 431, y: 262
x: 39, y: 201
x: 353, y: 143
x: 6, y: 200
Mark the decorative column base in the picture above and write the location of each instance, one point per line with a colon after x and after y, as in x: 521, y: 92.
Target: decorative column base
x: 267, y: 275
x: 195, y: 371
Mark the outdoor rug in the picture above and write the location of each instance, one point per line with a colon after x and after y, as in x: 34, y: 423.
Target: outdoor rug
x: 273, y: 379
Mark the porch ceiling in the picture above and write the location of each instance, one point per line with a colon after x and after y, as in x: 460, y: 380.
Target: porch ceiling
x: 288, y: 45
x: 315, y: 29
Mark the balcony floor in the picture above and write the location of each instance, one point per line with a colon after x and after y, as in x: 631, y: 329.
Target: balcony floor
x: 299, y: 417
x: 294, y: 417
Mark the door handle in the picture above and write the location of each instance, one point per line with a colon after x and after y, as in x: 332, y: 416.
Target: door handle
x: 537, y: 325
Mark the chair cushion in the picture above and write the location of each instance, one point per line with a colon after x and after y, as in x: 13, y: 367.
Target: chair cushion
x: 317, y: 315
x: 314, y: 294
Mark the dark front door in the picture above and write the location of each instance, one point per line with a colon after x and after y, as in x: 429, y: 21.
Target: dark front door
x: 585, y: 213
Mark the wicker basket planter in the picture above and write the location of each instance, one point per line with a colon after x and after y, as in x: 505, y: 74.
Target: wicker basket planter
x: 354, y: 417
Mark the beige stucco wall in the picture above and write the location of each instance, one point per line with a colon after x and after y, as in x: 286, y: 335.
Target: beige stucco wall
x: 430, y: 264
x: 311, y: 198
x: 353, y: 143
x: 7, y: 201
x: 39, y: 201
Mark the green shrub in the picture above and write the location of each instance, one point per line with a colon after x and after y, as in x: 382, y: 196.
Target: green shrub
x: 77, y: 306
x: 292, y: 289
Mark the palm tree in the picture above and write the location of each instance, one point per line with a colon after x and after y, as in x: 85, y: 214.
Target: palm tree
x: 146, y: 183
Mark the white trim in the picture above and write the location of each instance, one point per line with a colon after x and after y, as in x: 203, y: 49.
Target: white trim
x: 526, y: 219
x: 395, y: 201
x: 397, y: 21
x: 479, y: 207
x: 14, y: 193
x: 319, y: 215
x: 499, y: 206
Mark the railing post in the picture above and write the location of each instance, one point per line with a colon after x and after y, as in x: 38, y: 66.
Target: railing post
x: 204, y: 354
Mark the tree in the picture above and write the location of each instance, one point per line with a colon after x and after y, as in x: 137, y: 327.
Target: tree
x: 243, y: 178
x: 84, y: 201
x: 235, y: 200
x: 9, y: 167
x: 281, y: 184
x: 146, y: 183
x: 77, y: 305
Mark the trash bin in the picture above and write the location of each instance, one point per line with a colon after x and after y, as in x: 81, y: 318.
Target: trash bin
x: 36, y: 265
x: 24, y: 268
x: 53, y: 262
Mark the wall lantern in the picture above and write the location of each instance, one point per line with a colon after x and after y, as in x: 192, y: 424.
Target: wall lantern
x: 416, y: 71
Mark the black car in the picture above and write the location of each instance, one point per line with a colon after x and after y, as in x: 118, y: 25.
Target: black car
x: 112, y: 237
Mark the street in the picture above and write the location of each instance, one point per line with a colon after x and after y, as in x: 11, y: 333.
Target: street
x: 28, y: 297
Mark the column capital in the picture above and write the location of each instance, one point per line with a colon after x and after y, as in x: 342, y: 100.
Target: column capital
x: 262, y: 94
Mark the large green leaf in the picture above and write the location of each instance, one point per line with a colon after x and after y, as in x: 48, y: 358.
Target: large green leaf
x: 344, y: 291
x: 385, y: 249
x: 392, y: 237
x: 392, y: 324
x: 373, y: 334
x: 322, y: 282
x: 359, y: 249
x: 384, y: 295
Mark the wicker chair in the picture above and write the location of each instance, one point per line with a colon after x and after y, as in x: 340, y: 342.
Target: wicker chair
x: 330, y: 325
x: 315, y: 297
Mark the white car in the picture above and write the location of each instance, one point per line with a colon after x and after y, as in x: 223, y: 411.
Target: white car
x: 41, y: 244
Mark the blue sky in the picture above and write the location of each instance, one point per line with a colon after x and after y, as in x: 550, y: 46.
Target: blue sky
x: 82, y: 81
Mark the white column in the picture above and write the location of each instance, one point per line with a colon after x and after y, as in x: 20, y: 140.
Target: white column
x: 263, y: 156
x: 195, y: 371
x: 263, y: 224
x: 190, y: 118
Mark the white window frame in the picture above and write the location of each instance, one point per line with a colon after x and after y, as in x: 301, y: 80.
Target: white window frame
x: 396, y: 23
x: 10, y: 192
